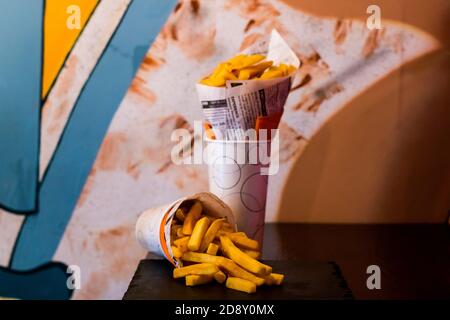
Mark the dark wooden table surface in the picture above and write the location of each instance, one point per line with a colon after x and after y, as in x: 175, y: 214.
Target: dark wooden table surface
x: 414, y: 259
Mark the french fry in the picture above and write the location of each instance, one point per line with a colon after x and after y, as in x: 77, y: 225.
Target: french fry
x: 220, y: 277
x: 236, y: 271
x: 179, y: 214
x: 227, y: 233
x: 239, y: 234
x: 244, y: 242
x: 242, y: 61
x: 201, y: 258
x: 213, y: 81
x: 252, y: 253
x: 282, y: 70
x: 177, y: 253
x: 192, y: 217
x: 271, y: 73
x: 212, y: 249
x: 240, y: 239
x: 235, y: 61
x: 182, y: 243
x: 278, y: 278
x: 196, y: 279
x: 218, y: 79
x: 228, y: 265
x: 242, y: 259
x: 198, y: 269
x: 254, y: 70
x: 198, y: 233
x: 244, y: 75
x: 210, y: 234
x: 274, y: 279
x: 290, y: 69
x: 240, y: 285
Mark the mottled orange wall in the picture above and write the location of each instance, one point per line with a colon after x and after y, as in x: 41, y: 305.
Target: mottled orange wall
x: 431, y: 16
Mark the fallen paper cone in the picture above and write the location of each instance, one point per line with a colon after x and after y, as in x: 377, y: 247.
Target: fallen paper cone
x: 153, y: 227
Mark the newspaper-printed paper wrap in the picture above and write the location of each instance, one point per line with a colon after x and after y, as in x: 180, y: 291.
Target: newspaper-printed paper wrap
x: 153, y: 225
x: 233, y: 109
x: 240, y: 183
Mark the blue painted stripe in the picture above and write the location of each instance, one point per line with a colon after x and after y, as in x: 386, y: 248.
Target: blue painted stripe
x: 88, y: 123
x: 47, y: 282
x: 20, y: 101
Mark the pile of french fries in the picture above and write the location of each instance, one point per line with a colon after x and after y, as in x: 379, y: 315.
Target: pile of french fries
x: 208, y: 248
x: 246, y: 67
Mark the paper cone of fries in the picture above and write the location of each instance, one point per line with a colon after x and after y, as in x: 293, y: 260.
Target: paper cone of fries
x: 248, y: 91
x: 153, y: 227
x: 243, y: 100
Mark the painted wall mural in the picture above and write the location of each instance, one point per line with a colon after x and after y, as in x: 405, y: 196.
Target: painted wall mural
x: 86, y: 116
x: 46, y: 203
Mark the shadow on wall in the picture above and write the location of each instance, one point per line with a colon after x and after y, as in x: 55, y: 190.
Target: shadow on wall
x: 384, y: 158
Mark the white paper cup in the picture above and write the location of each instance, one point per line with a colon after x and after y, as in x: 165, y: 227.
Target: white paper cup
x: 153, y: 225
x: 235, y: 176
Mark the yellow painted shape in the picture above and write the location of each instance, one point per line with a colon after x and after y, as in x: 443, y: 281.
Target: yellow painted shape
x: 58, y: 38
